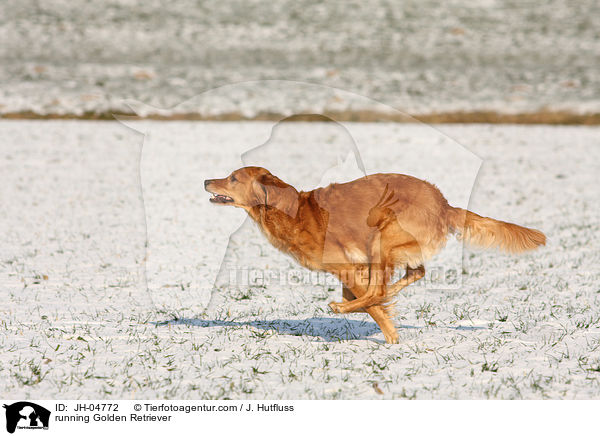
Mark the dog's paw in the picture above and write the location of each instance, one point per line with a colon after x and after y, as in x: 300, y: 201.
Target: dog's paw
x: 392, y: 338
x: 335, y: 307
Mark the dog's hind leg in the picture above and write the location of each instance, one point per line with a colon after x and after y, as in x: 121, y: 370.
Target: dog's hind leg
x: 412, y: 275
x: 373, y: 294
x: 347, y: 296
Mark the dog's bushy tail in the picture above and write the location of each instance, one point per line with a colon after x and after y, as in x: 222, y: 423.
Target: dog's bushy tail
x: 490, y: 233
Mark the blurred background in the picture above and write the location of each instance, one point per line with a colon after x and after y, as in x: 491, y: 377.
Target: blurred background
x: 454, y: 60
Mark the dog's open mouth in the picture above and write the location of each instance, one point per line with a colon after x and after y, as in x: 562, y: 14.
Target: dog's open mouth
x: 218, y: 198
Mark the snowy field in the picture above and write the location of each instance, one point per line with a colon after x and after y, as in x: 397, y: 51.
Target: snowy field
x: 84, y: 313
x: 421, y: 56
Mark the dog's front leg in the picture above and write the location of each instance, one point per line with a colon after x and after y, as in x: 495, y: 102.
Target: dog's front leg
x: 381, y: 316
x: 355, y: 285
x: 373, y: 295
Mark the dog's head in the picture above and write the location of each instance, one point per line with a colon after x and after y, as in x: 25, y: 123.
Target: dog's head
x: 253, y: 186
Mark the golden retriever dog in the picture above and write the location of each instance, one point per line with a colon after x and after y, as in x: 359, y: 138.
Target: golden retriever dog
x: 361, y: 231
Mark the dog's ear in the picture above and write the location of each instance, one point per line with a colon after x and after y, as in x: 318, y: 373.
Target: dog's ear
x: 269, y: 185
x: 272, y: 191
x: 265, y: 189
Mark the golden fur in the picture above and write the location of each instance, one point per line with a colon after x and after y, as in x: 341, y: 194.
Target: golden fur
x: 361, y: 231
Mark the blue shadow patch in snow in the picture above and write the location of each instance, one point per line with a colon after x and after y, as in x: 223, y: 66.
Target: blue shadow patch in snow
x: 328, y: 329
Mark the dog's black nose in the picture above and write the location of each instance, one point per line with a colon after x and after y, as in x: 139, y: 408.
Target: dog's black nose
x: 206, y: 182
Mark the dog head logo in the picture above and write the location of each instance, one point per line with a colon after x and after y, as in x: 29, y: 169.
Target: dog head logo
x: 26, y: 415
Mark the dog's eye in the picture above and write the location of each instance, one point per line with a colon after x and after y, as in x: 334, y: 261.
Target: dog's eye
x: 233, y: 179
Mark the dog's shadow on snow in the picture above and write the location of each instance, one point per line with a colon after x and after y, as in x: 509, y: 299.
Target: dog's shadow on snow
x: 327, y: 329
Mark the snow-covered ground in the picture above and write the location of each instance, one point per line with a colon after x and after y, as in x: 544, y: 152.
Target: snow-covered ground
x: 420, y: 56
x: 81, y: 317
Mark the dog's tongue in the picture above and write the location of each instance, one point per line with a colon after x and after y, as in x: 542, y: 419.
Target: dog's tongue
x: 218, y: 198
